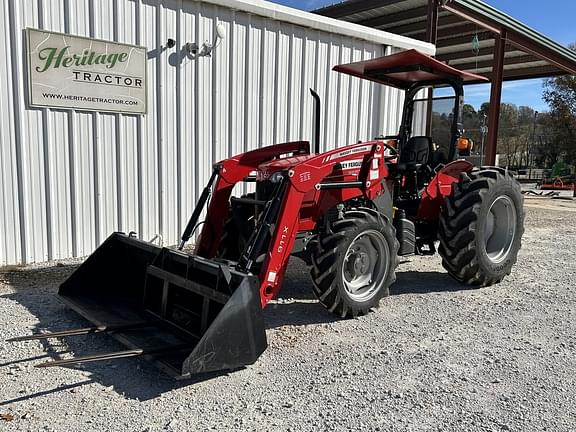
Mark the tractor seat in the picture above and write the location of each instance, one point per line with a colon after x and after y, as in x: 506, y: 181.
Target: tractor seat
x: 415, y: 153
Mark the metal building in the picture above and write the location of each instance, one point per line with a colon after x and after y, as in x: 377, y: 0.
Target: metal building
x: 68, y: 177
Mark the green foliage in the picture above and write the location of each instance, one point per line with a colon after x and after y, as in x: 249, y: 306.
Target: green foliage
x: 560, y: 122
x: 525, y: 137
x: 514, y: 135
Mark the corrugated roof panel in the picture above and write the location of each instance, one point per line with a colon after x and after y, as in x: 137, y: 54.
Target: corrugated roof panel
x: 453, y: 31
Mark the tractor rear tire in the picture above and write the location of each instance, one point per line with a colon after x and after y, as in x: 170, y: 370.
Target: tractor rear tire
x: 481, y: 226
x: 354, y: 265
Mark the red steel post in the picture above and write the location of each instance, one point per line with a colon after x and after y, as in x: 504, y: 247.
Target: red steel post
x: 495, y: 97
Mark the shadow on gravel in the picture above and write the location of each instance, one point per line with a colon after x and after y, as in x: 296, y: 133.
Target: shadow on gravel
x: 136, y: 378
x: 46, y: 392
x: 44, y: 357
x: 412, y: 282
x: 297, y: 304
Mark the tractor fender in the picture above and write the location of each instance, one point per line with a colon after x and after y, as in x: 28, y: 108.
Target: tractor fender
x: 439, y: 188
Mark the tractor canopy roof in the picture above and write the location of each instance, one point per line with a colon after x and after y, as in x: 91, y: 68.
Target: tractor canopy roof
x: 404, y: 69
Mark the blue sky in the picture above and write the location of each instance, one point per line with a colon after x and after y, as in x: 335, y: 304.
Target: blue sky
x: 555, y: 19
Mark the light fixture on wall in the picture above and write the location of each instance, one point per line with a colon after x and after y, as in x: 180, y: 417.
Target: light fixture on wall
x: 206, y: 48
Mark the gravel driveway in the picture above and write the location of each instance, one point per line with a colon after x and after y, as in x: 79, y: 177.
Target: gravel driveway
x: 433, y: 357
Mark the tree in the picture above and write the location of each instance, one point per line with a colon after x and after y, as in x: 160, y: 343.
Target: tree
x: 515, y: 133
x: 560, y: 94
x: 547, y: 147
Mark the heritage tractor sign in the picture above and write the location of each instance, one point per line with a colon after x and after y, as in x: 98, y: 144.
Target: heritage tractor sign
x: 74, y: 72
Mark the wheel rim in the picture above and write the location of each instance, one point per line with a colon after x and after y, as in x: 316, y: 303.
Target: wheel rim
x: 365, y: 265
x: 500, y: 228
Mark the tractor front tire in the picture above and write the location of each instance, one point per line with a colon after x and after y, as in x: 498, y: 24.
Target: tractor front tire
x: 354, y: 264
x: 481, y: 226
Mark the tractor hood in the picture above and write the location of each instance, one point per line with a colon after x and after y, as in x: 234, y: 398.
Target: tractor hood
x: 266, y: 169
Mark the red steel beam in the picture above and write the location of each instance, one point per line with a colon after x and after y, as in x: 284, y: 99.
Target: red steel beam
x: 471, y: 66
x: 479, y: 20
x: 527, y: 45
x: 514, y: 37
x: 432, y: 37
x: 495, y: 97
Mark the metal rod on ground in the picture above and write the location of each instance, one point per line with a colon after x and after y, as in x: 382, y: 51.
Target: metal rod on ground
x: 111, y: 356
x: 81, y: 331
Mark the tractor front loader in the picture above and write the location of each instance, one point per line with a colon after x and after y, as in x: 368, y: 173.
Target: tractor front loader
x: 349, y: 213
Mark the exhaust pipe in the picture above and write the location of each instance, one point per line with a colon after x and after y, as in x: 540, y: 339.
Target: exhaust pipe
x: 316, y: 121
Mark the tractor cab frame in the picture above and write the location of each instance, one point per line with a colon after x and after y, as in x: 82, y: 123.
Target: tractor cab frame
x: 428, y: 162
x: 414, y: 72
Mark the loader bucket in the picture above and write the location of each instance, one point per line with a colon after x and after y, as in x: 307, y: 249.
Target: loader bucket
x: 186, y: 313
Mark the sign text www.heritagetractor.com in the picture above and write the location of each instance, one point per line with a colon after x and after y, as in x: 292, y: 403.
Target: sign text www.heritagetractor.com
x: 92, y: 99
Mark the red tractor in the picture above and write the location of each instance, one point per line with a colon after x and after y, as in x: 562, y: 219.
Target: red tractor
x: 349, y: 213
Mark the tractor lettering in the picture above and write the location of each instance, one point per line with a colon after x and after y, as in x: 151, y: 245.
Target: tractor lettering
x: 350, y: 164
x: 283, y: 238
x: 360, y: 149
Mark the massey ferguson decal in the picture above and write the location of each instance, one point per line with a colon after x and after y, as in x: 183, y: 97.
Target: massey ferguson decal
x: 346, y: 153
x: 356, y: 163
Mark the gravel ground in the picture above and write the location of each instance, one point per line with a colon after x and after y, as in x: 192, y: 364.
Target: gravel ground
x: 433, y: 357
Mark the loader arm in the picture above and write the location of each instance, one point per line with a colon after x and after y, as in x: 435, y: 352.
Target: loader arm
x: 230, y: 172
x: 350, y: 172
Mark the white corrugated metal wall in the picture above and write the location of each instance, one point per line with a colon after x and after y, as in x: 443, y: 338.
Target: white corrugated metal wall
x: 68, y: 179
